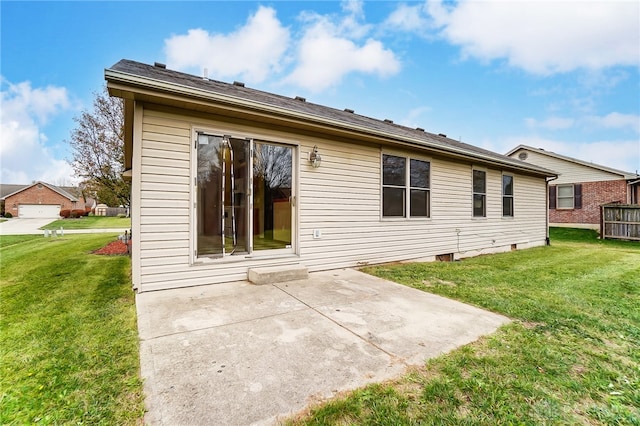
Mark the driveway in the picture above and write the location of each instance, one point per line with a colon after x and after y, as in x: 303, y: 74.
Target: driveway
x: 240, y: 354
x: 23, y: 226
x: 30, y: 227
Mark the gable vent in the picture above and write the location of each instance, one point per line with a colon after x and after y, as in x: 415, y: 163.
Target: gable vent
x: 386, y: 120
x: 160, y: 65
x: 300, y: 98
x: 349, y: 110
x: 442, y: 134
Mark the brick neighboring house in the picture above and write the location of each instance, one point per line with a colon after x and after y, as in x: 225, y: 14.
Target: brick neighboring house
x: 576, y: 197
x: 39, y: 200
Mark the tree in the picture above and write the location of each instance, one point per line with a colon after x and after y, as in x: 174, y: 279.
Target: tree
x: 98, y: 150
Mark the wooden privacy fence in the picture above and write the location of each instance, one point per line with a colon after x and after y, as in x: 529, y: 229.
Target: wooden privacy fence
x: 620, y: 221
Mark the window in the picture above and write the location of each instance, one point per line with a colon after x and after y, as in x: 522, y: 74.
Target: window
x: 479, y: 193
x: 419, y: 181
x: 507, y: 195
x: 565, y: 197
x: 393, y: 186
x: 395, y: 176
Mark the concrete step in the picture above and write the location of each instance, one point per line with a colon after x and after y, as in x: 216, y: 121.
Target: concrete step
x: 277, y: 274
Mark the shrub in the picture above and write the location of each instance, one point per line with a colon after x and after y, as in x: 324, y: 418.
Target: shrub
x: 121, y: 215
x: 8, y: 215
x: 78, y: 213
x: 65, y: 213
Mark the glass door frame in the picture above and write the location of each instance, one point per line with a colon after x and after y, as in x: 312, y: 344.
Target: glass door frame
x: 251, y: 252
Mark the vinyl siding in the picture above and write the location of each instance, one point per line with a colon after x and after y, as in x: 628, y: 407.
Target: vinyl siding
x: 341, y: 199
x: 568, y: 171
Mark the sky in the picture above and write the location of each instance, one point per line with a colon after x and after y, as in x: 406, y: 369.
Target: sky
x: 559, y: 75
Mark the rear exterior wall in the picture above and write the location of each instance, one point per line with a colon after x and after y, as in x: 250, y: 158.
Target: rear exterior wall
x: 342, y: 199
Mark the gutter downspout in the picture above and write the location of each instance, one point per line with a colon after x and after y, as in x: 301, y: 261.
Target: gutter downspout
x: 546, y: 202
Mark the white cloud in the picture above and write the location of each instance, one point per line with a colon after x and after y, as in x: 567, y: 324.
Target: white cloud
x: 616, y: 120
x: 618, y: 154
x: 23, y: 114
x: 329, y: 47
x: 353, y: 7
x: 408, y: 18
x: 327, y: 52
x: 411, y: 120
x: 351, y: 24
x: 551, y: 123
x: 613, y: 120
x: 544, y: 37
x: 251, y: 53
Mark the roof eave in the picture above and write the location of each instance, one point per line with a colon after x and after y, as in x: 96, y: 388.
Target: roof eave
x: 134, y: 80
x: 622, y: 173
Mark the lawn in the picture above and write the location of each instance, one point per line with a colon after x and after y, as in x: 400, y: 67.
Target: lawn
x: 68, y: 335
x: 571, y: 355
x: 91, y: 222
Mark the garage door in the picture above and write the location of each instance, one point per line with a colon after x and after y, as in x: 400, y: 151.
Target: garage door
x: 28, y: 211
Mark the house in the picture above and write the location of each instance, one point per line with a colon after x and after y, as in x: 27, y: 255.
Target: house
x: 40, y: 200
x: 228, y: 180
x: 576, y: 197
x: 6, y: 189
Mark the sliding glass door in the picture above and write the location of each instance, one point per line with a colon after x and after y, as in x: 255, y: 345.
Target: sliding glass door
x: 244, y: 201
x: 272, y: 196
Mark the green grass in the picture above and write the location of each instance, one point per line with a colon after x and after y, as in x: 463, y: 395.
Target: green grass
x: 68, y: 335
x: 571, y: 356
x: 91, y: 222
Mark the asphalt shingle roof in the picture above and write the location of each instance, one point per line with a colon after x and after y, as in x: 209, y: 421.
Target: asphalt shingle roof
x: 10, y: 189
x: 347, y: 118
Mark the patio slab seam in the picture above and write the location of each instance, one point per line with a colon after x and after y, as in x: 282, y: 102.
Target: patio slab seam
x: 177, y: 333
x: 393, y: 357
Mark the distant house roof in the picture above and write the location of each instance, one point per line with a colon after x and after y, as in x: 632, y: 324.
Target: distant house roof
x: 9, y: 190
x: 623, y: 174
x: 129, y: 79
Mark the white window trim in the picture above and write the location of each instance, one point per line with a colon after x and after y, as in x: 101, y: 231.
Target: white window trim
x: 573, y: 196
x: 407, y: 188
x: 194, y: 260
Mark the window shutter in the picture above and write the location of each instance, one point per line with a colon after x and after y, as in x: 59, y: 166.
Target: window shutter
x: 577, y: 196
x: 552, y: 197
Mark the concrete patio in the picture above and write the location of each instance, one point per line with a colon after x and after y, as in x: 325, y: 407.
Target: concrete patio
x: 241, y: 354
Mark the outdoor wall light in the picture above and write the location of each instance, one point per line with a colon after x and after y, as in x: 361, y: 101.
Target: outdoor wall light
x: 314, y: 158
